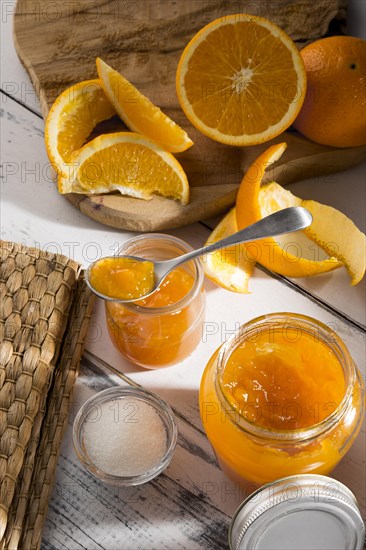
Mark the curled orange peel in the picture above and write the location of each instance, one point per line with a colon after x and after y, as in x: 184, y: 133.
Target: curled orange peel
x: 330, y: 230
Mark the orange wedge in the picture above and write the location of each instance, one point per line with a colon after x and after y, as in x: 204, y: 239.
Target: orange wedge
x: 230, y: 267
x: 241, y: 80
x: 138, y: 113
x: 72, y: 118
x: 129, y: 163
x: 331, y: 230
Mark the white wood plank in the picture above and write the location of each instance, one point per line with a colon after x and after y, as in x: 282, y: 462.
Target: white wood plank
x: 14, y: 78
x: 183, y: 508
x: 29, y: 206
x: 223, y: 493
x: 204, y: 480
x: 345, y: 191
x: 191, y: 504
x: 225, y: 312
x: 26, y: 178
x: 179, y: 384
x: 33, y: 212
x: 30, y: 201
x: 356, y: 17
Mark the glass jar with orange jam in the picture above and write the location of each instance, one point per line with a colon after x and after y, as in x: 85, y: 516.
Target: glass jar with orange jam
x: 280, y: 397
x: 164, y: 328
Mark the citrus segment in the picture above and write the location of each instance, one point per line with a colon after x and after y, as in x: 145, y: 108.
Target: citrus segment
x: 229, y: 267
x: 129, y: 163
x: 331, y: 230
x: 72, y: 118
x: 334, y: 110
x: 241, y: 80
x: 139, y: 113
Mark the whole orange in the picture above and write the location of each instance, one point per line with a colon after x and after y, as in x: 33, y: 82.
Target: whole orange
x: 334, y: 110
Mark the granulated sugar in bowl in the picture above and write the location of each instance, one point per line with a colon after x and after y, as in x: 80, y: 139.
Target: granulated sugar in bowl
x: 125, y: 436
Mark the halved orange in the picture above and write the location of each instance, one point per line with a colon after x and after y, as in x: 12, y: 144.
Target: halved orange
x: 129, y: 163
x: 331, y: 230
x: 71, y: 119
x: 139, y: 113
x: 241, y: 80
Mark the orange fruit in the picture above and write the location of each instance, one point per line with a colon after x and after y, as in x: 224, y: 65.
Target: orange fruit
x: 331, y: 230
x: 71, y: 119
x: 334, y: 110
x: 241, y: 80
x: 229, y: 267
x: 139, y: 113
x: 129, y: 163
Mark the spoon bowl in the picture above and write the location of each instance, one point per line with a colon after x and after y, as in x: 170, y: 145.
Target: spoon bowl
x: 120, y: 258
x: 284, y: 221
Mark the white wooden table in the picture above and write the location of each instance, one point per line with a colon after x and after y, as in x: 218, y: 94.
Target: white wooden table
x: 190, y: 505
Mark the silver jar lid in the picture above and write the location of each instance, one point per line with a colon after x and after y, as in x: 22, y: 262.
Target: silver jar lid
x: 307, y: 512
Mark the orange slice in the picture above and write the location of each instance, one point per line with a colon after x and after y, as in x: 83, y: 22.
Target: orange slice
x: 230, y: 267
x: 331, y: 230
x: 129, y: 163
x: 72, y: 118
x: 139, y: 114
x: 241, y: 80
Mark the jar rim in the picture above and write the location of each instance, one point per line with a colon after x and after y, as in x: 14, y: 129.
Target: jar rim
x: 337, y: 346
x: 187, y: 298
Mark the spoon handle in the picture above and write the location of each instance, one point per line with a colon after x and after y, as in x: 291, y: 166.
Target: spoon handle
x: 284, y: 221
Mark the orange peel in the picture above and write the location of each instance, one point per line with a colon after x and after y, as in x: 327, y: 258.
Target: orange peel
x: 331, y: 230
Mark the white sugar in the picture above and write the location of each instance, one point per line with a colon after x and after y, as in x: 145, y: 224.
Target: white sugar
x: 125, y: 437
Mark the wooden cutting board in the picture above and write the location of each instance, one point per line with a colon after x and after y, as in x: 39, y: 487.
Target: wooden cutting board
x: 59, y: 41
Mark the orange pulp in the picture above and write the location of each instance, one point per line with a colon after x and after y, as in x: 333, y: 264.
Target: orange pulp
x: 122, y: 278
x: 152, y: 332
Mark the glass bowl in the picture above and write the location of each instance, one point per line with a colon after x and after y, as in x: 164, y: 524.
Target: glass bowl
x: 118, y: 418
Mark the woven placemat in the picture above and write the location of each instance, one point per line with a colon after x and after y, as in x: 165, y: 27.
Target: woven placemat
x: 44, y: 316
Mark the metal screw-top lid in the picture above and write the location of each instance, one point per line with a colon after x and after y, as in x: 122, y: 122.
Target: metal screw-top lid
x: 307, y: 512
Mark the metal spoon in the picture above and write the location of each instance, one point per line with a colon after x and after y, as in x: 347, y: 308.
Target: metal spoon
x: 283, y: 221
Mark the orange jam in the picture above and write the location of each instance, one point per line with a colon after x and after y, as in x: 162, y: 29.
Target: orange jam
x: 163, y: 328
x: 287, y: 383
x: 174, y: 287
x: 281, y: 397
x: 122, y: 278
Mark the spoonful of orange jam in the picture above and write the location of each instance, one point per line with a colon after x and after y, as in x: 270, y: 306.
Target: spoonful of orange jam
x: 123, y: 277
x: 129, y: 278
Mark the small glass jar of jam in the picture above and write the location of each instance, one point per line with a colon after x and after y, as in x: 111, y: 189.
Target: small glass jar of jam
x: 281, y: 397
x: 164, y: 328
